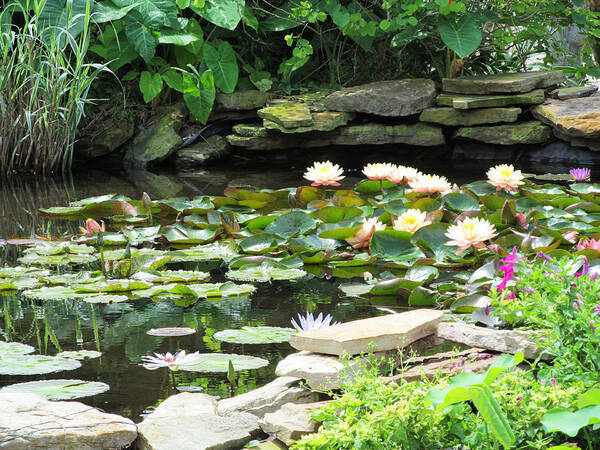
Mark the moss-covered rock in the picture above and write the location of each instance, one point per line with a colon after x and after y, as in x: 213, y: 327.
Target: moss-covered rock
x: 287, y: 114
x: 322, y: 121
x: 455, y: 117
x: 532, y: 132
x: 394, y: 98
x: 157, y: 142
x: 503, y: 83
x: 573, y: 92
x: 199, y: 153
x: 251, y: 130
x: 460, y: 101
x: 241, y: 100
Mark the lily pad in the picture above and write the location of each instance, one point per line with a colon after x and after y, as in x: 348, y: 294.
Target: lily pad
x: 264, y: 273
x: 14, y: 348
x: 174, y: 331
x: 219, y: 362
x: 79, y: 354
x: 255, y: 335
x: 35, y: 364
x: 58, y: 389
x: 208, y: 252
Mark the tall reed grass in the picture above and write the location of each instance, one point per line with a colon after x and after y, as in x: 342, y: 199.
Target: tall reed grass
x: 44, y: 85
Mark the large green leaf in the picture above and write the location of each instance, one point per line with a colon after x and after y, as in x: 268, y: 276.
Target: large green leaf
x: 462, y: 36
x: 219, y: 362
x: 223, y: 64
x: 58, y: 389
x: 291, y: 223
x: 35, y: 364
x: 140, y: 35
x: 150, y: 85
x: 255, y: 335
x: 14, y: 348
x: 223, y: 13
x: 199, y: 94
x: 71, y: 16
x: 489, y: 409
x: 109, y: 12
x: 154, y: 13
x: 392, y: 244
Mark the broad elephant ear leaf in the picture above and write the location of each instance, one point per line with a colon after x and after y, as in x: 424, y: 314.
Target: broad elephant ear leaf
x: 223, y: 13
x: 222, y: 61
x: 462, y: 36
x: 199, y: 94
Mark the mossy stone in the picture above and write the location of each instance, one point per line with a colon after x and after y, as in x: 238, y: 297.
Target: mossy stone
x: 322, y: 121
x: 287, y: 114
x: 251, y: 130
x: 199, y: 153
x: 455, y: 117
x: 573, y: 92
x: 503, y: 83
x: 241, y: 100
x: 532, y: 132
x: 460, y: 101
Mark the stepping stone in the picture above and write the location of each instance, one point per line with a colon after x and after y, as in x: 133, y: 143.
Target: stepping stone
x: 503, y: 83
x: 504, y: 341
x: 28, y: 421
x: 452, y: 117
x: 375, y: 334
x: 322, y: 121
x: 460, y: 101
x: 190, y: 421
x: 287, y: 114
x: 532, y: 132
x: 241, y: 100
x: 394, y: 98
x: 573, y: 92
x: 578, y: 117
x: 268, y: 398
x: 292, y: 421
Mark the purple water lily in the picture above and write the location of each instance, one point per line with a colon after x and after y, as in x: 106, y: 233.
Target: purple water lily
x: 581, y: 174
x: 311, y: 323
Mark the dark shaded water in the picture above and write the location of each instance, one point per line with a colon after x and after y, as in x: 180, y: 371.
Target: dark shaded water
x: 119, y: 330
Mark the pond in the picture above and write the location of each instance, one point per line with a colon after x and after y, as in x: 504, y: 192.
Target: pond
x: 119, y: 330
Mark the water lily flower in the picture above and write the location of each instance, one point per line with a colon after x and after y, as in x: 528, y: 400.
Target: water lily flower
x: 362, y: 238
x: 430, y: 184
x: 591, y: 243
x: 311, y: 323
x: 411, y: 220
x: 377, y: 171
x: 581, y: 174
x: 471, y: 232
x: 504, y: 176
x: 92, y: 227
x: 173, y: 362
x: 570, y: 236
x: 324, y: 174
x: 402, y: 174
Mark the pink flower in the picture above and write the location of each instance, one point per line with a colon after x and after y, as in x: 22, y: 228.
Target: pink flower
x: 377, y: 171
x: 597, y: 309
x: 362, y: 238
x: 324, y: 174
x: 505, y: 176
x: 592, y: 243
x: 93, y: 227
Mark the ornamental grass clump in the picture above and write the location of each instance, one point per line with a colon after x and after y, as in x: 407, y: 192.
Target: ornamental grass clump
x: 44, y: 85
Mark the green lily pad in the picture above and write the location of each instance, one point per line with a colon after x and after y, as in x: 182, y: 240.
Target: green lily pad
x: 291, y: 223
x: 461, y: 202
x: 79, y: 354
x: 208, y: 252
x: 173, y: 331
x: 35, y: 364
x: 255, y: 335
x: 219, y: 362
x: 180, y: 234
x: 58, y: 389
x: 57, y: 260
x: 14, y: 348
x: 171, y: 276
x: 264, y: 273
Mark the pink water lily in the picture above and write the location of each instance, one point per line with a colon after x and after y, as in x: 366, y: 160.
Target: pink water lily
x: 581, y: 174
x: 362, y: 238
x: 93, y: 227
x: 591, y: 243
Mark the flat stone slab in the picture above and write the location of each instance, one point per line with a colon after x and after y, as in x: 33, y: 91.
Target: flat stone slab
x: 190, y: 421
x: 460, y: 101
x: 532, y: 132
x: 28, y: 421
x: 323, y: 372
x: 287, y: 114
x: 503, y: 83
x: 292, y: 421
x: 419, y: 134
x: 452, y: 117
x: 199, y: 153
x: 578, y: 117
x: 394, y: 98
x: 573, y: 92
x: 241, y: 100
x: 504, y: 341
x: 268, y: 398
x: 377, y: 334
x: 322, y: 121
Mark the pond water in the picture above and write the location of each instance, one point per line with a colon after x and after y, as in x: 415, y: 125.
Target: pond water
x: 119, y: 330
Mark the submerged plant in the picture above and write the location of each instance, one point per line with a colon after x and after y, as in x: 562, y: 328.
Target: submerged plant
x: 313, y: 323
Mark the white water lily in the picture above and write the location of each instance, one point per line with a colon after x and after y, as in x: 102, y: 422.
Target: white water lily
x: 173, y: 362
x: 411, y: 220
x: 324, y: 174
x: 430, y: 184
x: 313, y: 323
x: 402, y: 174
x: 504, y: 176
x: 471, y: 232
x: 377, y: 171
x: 362, y: 238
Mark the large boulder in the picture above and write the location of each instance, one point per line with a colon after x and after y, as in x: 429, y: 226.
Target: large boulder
x: 532, y: 132
x: 576, y: 120
x: 241, y: 100
x: 508, y: 82
x: 157, y: 142
x: 395, y: 98
x: 112, y: 135
x: 268, y: 398
x: 28, y: 421
x: 190, y: 421
x: 461, y: 101
x: 292, y: 421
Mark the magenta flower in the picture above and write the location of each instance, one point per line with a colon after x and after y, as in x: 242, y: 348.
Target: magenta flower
x: 510, y: 296
x: 529, y: 290
x: 581, y: 174
x: 597, y: 309
x: 508, y: 268
x: 577, y: 303
x: 585, y: 270
x: 592, y: 326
